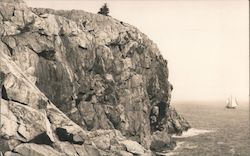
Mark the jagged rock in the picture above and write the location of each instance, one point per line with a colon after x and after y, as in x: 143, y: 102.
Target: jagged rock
x: 161, y: 141
x: 92, y: 151
x: 8, y: 123
x: 77, y: 72
x: 22, y: 123
x: 69, y: 149
x: 77, y: 139
x: 8, y: 153
x: 176, y: 123
x: 106, y: 139
x: 133, y: 147
x: 59, y: 120
x: 77, y: 150
x: 36, y: 150
x: 81, y: 151
x: 31, y: 123
x: 21, y: 92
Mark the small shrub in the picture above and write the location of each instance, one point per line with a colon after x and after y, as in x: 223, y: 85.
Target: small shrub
x: 104, y: 10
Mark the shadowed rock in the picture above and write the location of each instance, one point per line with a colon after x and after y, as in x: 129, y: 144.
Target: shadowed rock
x: 42, y: 139
x: 63, y: 135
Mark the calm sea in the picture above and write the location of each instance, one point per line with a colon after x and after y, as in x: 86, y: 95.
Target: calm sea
x: 216, y: 131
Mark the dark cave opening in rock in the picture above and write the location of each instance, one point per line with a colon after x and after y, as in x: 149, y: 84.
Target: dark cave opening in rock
x: 162, y: 110
x: 157, y: 114
x: 4, y: 93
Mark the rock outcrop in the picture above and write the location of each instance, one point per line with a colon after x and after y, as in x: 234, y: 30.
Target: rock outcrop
x: 76, y: 83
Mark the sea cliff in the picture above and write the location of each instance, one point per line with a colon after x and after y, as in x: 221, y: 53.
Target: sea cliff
x: 77, y: 83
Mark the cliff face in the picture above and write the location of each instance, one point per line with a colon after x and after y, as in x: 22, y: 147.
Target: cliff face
x: 76, y: 83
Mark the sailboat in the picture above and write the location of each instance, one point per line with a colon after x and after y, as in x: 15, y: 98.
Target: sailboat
x: 231, y: 103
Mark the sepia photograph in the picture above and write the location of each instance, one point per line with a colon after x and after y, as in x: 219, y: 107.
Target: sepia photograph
x: 124, y: 78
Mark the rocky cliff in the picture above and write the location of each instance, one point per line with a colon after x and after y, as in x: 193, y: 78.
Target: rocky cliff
x: 76, y: 83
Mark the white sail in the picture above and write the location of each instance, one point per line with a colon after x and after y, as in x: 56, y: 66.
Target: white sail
x: 234, y: 103
x: 228, y: 102
x: 231, y: 103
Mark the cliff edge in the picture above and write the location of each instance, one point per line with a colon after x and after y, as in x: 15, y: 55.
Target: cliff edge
x: 76, y: 83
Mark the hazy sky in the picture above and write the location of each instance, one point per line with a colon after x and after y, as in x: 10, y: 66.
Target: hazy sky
x: 206, y: 42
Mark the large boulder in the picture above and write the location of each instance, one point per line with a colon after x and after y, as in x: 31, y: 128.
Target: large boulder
x: 133, y: 147
x: 25, y: 123
x: 161, y: 142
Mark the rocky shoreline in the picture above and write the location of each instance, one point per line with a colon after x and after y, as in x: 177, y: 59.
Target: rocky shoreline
x: 76, y: 83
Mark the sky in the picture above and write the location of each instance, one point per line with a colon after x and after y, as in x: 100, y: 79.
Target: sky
x: 206, y: 42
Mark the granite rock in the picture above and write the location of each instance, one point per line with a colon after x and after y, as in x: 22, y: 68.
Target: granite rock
x: 80, y: 81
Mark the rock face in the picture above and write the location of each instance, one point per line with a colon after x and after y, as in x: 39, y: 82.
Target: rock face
x: 76, y: 83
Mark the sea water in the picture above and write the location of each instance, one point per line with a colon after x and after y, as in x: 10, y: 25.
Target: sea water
x: 216, y: 131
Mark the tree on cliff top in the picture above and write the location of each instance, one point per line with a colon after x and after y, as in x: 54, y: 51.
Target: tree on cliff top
x: 104, y: 10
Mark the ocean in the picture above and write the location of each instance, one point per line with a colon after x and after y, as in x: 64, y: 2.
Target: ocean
x: 216, y: 131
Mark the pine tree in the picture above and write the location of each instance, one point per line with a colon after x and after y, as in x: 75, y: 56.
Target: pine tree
x: 104, y: 10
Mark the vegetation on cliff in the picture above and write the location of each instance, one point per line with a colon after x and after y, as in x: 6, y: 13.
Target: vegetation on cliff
x: 104, y: 10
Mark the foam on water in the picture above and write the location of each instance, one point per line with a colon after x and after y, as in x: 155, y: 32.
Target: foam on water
x: 216, y: 131
x: 184, y: 145
x: 178, y: 145
x: 192, y: 132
